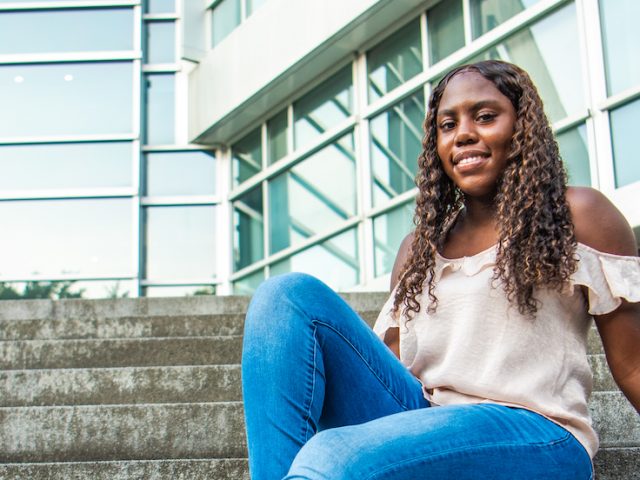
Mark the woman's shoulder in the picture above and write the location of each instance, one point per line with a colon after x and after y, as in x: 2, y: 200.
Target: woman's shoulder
x: 598, y: 223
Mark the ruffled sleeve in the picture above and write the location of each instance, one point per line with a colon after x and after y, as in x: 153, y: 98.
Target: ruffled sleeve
x: 386, y: 319
x: 608, y: 278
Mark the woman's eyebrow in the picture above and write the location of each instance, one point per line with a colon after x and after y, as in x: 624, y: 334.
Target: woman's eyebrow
x: 474, y: 107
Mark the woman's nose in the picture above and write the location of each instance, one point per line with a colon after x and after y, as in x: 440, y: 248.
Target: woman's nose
x: 466, y: 133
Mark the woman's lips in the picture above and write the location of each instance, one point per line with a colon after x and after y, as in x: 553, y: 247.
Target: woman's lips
x: 468, y: 164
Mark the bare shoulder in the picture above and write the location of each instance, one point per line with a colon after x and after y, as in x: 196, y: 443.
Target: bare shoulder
x: 598, y: 223
x: 401, y: 259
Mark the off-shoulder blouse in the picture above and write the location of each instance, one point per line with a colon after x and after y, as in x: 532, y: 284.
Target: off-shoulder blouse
x: 478, y: 348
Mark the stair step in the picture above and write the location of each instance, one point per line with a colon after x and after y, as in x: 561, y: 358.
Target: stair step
x: 122, y: 432
x: 617, y: 463
x: 615, y: 420
x: 130, y: 385
x: 197, y: 469
x: 89, y: 353
x: 602, y: 378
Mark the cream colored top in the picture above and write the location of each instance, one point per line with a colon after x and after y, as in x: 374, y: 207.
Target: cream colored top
x: 478, y: 348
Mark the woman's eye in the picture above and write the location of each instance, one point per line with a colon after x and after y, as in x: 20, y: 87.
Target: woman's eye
x: 486, y: 117
x: 446, y: 125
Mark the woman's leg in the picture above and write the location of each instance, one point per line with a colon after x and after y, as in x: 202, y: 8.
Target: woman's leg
x: 309, y: 362
x: 463, y: 442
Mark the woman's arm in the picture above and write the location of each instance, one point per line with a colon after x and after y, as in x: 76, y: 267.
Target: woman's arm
x: 600, y: 225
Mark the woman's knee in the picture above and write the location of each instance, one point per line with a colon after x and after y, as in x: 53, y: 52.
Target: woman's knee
x: 327, y: 455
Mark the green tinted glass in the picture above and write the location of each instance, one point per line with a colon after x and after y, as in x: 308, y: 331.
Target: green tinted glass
x: 446, y: 29
x: 624, y: 133
x: 248, y: 219
x: 573, y: 149
x: 388, y: 232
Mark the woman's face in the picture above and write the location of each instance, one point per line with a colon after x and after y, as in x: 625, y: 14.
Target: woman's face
x: 475, y: 125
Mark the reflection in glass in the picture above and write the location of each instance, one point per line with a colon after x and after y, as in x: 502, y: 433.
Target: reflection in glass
x: 555, y: 71
x: 160, y: 42
x: 248, y: 215
x: 66, y: 99
x: 621, y: 42
x: 180, y: 241
x: 253, y: 5
x: 322, y: 108
x: 247, y: 285
x: 388, y: 232
x: 394, y: 61
x: 396, y: 142
x: 179, y: 291
x: 488, y: 14
x: 49, y: 166
x: 573, y: 150
x: 53, y: 237
x: 50, y: 31
x: 225, y: 18
x: 624, y: 128
x: 160, y: 6
x: 277, y: 137
x: 315, y: 195
x: 67, y: 289
x: 247, y: 157
x: 445, y: 25
x: 334, y: 261
x: 181, y: 173
x: 160, y: 129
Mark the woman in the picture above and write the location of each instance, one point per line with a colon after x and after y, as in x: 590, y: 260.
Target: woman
x: 485, y: 374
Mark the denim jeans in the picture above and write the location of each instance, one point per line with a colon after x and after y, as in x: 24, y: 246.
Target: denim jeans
x: 326, y: 399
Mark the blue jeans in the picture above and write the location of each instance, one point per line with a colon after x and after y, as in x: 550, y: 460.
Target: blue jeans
x: 326, y: 399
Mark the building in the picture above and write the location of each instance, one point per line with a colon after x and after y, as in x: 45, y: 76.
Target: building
x: 179, y: 147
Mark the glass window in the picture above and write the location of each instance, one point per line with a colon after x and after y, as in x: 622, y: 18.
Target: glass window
x: 247, y: 156
x: 53, y: 237
x: 181, y: 173
x: 315, y: 195
x: 445, y: 25
x: 396, y: 142
x: 388, y: 232
x: 180, y: 242
x: 160, y: 6
x: 50, y: 31
x: 556, y: 72
x: 253, y: 5
x: 48, y: 166
x: 66, y: 99
x: 334, y: 261
x: 573, y: 149
x: 248, y: 239
x: 488, y: 14
x: 247, y: 285
x: 179, y: 291
x: 621, y: 38
x: 394, y: 61
x: 160, y: 42
x: 160, y: 119
x: 277, y: 136
x: 67, y: 289
x: 225, y: 17
x: 323, y: 108
x: 624, y: 126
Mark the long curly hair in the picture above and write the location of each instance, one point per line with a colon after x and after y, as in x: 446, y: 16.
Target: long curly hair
x: 536, y: 242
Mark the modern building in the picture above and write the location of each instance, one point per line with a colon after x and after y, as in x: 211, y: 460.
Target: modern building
x: 178, y: 147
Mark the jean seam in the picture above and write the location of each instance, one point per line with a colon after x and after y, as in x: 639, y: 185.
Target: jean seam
x: 313, y: 385
x: 368, y: 365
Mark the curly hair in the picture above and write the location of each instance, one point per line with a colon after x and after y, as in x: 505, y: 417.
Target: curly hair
x: 536, y: 242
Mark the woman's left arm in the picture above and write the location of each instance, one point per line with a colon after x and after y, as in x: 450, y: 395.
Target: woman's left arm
x: 600, y: 225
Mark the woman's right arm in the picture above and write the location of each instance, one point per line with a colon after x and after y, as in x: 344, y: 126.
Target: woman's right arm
x: 392, y: 336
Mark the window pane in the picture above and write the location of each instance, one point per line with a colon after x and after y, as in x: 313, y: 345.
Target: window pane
x: 65, y: 165
x: 160, y: 6
x: 161, y: 38
x: 445, y: 25
x: 53, y: 237
x: 394, y: 61
x: 247, y: 285
x: 334, y: 261
x: 621, y: 38
x: 180, y: 242
x: 323, y: 108
x: 224, y: 19
x: 49, y: 31
x: 488, y: 14
x: 247, y: 157
x: 160, y: 109
x: 179, y: 291
x: 624, y: 126
x: 277, y: 137
x: 556, y: 72
x: 253, y: 5
x: 573, y: 149
x: 313, y: 196
x: 181, y: 173
x: 66, y: 99
x: 67, y: 289
x: 388, y: 231
x: 396, y: 142
x: 249, y: 227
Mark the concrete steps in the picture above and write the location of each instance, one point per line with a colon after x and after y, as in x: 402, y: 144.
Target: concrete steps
x: 150, y: 388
